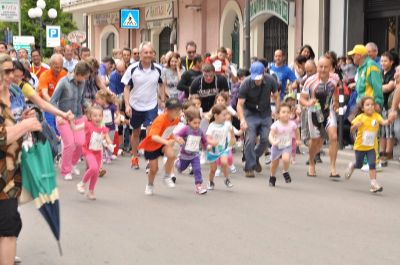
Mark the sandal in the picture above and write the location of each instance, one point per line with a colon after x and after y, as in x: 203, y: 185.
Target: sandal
x: 336, y: 176
x: 311, y: 175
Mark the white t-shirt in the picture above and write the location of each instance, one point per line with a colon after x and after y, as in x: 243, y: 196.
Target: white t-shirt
x: 221, y: 133
x: 144, y: 85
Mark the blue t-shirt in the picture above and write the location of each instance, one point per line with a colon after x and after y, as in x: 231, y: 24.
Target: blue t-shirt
x: 284, y: 73
x: 116, y: 86
x: 102, y: 70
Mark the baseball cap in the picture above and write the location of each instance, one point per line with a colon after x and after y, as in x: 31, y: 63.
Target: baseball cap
x: 358, y: 49
x: 257, y: 71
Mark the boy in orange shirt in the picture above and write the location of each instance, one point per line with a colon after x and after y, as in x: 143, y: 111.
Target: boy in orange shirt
x: 160, y: 142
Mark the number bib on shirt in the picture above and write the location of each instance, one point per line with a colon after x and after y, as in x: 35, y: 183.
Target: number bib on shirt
x: 96, y: 142
x: 107, y: 116
x: 368, y: 138
x: 284, y: 141
x: 168, y: 132
x: 193, y: 143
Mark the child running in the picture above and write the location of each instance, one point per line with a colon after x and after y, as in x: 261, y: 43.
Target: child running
x: 218, y: 138
x: 282, y: 132
x: 95, y: 134
x: 367, y: 126
x: 160, y: 142
x: 223, y: 99
x: 190, y: 137
x: 106, y: 100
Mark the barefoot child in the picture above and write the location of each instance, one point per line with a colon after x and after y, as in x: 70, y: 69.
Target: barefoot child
x: 282, y: 132
x: 160, y: 142
x: 95, y: 134
x: 190, y: 138
x: 218, y: 138
x: 367, y: 126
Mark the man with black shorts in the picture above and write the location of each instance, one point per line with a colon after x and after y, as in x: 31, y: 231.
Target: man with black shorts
x: 143, y: 84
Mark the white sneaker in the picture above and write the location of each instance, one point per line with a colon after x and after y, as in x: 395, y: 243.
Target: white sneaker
x: 76, y: 171
x: 120, y: 152
x: 233, y: 169
x: 169, y: 182
x: 68, y: 177
x: 218, y: 172
x: 379, y: 166
x: 365, y: 168
x: 202, y: 158
x: 81, y: 187
x: 149, y: 190
x: 90, y: 195
x: 17, y: 260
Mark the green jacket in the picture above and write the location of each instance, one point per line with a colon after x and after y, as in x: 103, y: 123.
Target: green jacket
x: 369, y: 81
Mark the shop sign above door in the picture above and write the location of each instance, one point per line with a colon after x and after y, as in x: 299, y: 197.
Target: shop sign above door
x: 279, y: 8
x: 159, y: 11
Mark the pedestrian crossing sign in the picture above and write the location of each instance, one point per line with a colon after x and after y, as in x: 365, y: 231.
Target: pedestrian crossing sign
x: 129, y: 18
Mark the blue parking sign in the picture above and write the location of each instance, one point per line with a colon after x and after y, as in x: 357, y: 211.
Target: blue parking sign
x: 53, y: 36
x: 129, y: 18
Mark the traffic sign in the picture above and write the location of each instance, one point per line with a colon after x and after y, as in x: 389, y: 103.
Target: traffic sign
x: 130, y: 18
x: 53, y: 36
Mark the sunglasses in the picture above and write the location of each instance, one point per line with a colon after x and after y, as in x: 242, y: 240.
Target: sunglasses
x: 135, y: 53
x: 191, y: 52
x: 8, y: 71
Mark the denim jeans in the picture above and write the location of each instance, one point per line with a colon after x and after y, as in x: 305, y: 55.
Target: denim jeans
x: 257, y: 125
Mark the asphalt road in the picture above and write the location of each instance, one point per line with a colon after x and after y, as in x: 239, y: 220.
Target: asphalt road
x: 310, y: 221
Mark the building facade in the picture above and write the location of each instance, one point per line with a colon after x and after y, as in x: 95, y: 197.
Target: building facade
x: 210, y: 23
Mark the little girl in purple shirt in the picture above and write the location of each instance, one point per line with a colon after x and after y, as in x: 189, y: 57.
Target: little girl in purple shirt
x: 190, y: 137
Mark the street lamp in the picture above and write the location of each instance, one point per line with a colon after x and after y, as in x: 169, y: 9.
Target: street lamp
x: 37, y: 12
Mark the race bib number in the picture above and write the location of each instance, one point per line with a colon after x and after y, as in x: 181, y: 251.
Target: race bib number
x: 107, y: 116
x: 193, y: 143
x: 368, y: 138
x: 284, y: 141
x: 219, y: 137
x: 168, y: 132
x: 96, y: 142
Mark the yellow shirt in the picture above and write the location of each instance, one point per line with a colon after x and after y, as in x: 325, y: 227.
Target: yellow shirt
x: 367, y: 133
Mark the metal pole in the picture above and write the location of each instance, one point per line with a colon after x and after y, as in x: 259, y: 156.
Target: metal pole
x: 341, y: 113
x: 40, y: 35
x: 247, y: 36
x: 19, y: 21
x: 129, y: 39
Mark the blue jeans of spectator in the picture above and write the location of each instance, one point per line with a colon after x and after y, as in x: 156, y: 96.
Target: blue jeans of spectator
x: 256, y: 125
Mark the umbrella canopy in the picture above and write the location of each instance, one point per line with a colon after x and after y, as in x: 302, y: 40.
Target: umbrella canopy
x: 39, y: 181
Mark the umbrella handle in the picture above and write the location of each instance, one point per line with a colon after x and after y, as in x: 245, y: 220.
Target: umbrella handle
x: 60, y: 248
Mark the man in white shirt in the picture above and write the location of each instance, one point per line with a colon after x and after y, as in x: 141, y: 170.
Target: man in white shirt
x: 69, y: 61
x: 143, y: 83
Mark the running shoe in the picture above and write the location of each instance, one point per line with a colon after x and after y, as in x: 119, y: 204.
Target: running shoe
x: 218, y: 172
x: 81, y: 187
x: 76, y: 171
x: 68, y: 177
x: 211, y: 185
x: 233, y: 169
x: 376, y: 188
x: 169, y: 182
x: 228, y: 183
x: 149, y: 190
x: 135, y: 162
x: 200, y: 190
x: 272, y: 181
x: 90, y: 195
x: 287, y: 177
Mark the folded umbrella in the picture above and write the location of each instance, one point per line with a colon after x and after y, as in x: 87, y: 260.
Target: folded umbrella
x: 39, y: 181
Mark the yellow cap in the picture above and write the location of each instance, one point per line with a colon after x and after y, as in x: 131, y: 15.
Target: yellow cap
x: 358, y: 49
